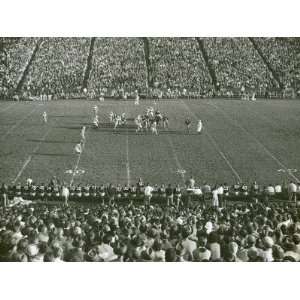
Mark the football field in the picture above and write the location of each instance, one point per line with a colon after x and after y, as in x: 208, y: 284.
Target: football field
x: 241, y: 141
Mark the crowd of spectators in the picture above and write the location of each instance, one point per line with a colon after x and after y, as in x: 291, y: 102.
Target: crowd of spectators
x: 126, y: 232
x: 174, y: 68
x: 238, y: 65
x: 58, y: 67
x: 118, y: 67
x: 178, y: 67
x: 13, y: 63
x: 283, y: 57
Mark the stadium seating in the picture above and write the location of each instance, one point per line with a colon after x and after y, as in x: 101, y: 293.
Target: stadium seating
x: 58, y: 67
x: 237, y: 64
x: 18, y: 55
x: 178, y: 63
x: 114, y: 230
x: 118, y: 63
x: 176, y: 66
x: 283, y: 57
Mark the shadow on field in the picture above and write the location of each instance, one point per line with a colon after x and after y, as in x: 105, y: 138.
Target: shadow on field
x: 68, y: 116
x: 68, y: 127
x: 52, y: 154
x: 52, y: 142
x: 131, y: 131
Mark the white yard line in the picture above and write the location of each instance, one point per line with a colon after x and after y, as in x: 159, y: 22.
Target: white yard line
x: 237, y: 124
x: 78, y: 160
x: 11, y: 129
x: 29, y: 159
x: 75, y: 167
x: 8, y: 107
x: 127, y: 160
x: 216, y: 146
x: 178, y: 164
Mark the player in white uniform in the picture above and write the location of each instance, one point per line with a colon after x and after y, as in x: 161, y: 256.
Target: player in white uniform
x: 137, y: 97
x: 111, y: 116
x: 199, y: 127
x: 82, y: 134
x: 138, y: 122
x: 154, y: 128
x: 117, y: 122
x: 96, y: 121
x: 45, y: 117
x: 78, y: 148
x: 95, y: 109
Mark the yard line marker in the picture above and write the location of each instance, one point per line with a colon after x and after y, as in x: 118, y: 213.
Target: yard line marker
x: 18, y: 124
x: 75, y: 167
x: 215, y: 144
x: 28, y: 160
x: 8, y: 107
x: 237, y: 124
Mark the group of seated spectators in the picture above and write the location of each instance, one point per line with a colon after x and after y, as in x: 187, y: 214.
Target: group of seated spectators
x: 58, y: 67
x: 120, y: 66
x: 150, y: 232
x: 13, y: 63
x: 177, y: 64
x: 237, y: 64
x: 284, y: 58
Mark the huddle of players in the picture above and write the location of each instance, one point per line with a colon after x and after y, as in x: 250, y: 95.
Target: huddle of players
x: 151, y: 120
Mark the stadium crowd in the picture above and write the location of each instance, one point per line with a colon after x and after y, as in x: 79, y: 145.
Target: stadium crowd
x: 175, y: 66
x: 237, y: 65
x: 179, y: 68
x: 13, y: 64
x: 113, y: 229
x: 58, y: 67
x: 283, y: 58
x: 119, y: 66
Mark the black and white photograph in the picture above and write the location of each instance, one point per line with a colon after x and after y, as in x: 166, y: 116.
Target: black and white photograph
x: 132, y: 157
x: 150, y: 149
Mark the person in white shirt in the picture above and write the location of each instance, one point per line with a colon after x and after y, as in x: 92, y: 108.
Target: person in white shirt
x: 95, y: 109
x: 270, y: 190
x: 220, y: 191
x: 65, y: 194
x: 29, y: 181
x: 292, y: 191
x: 45, y: 117
x: 78, y: 148
x: 137, y: 98
x: 278, y: 189
x: 154, y: 128
x: 191, y: 182
x: 82, y: 134
x: 96, y: 121
x: 215, y: 197
x: 148, y: 193
x: 199, y: 127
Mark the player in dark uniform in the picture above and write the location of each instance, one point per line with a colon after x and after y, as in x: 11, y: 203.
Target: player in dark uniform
x: 165, y: 121
x: 187, y: 123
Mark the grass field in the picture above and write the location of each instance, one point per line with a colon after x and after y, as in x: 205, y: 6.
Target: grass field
x: 241, y: 141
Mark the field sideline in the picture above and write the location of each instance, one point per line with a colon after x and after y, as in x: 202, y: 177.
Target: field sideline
x: 241, y: 141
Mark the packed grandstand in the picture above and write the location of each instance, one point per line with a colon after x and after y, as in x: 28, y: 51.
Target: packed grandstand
x: 176, y: 67
x: 55, y: 222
